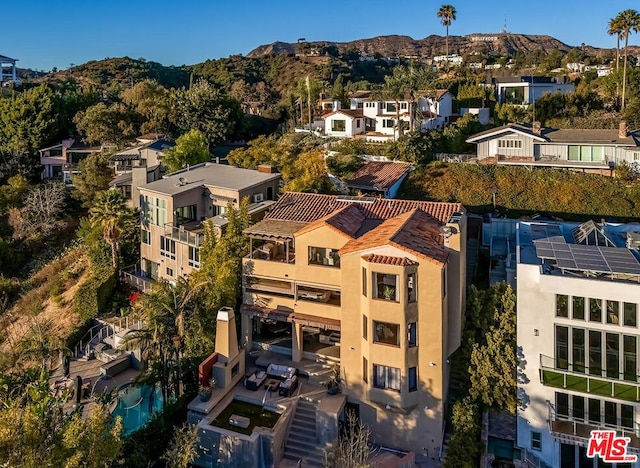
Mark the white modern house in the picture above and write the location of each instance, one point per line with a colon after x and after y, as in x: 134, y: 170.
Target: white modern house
x: 524, y: 90
x: 375, y: 119
x: 11, y: 75
x: 60, y: 162
x: 578, y: 289
x: 586, y: 149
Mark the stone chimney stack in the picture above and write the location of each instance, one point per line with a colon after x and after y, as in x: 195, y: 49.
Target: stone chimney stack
x: 536, y: 128
x: 226, y: 337
x: 622, y: 129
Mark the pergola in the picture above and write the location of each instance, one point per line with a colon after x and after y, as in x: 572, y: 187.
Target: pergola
x: 4, y: 60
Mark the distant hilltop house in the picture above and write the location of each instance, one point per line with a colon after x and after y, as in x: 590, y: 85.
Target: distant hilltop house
x: 60, y: 162
x: 6, y: 78
x: 593, y: 150
x: 524, y: 90
x: 452, y: 59
x: 375, y: 119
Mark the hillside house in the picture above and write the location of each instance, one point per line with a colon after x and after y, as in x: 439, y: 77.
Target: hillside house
x: 379, y: 178
x: 524, y: 90
x: 60, y: 162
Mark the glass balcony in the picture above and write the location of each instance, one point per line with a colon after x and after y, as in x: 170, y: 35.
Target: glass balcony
x: 554, y: 375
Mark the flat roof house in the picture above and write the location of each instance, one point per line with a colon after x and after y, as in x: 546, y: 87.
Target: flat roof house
x: 524, y: 90
x: 381, y: 280
x: 174, y: 207
x: 60, y: 162
x: 578, y: 288
x: 587, y: 149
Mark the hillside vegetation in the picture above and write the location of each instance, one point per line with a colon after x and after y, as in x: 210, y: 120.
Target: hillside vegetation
x: 569, y: 195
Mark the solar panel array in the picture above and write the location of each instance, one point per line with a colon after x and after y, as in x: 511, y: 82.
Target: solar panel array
x: 593, y: 258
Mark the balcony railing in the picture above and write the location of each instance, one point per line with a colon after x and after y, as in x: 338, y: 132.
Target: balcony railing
x: 137, y: 281
x: 183, y: 235
x: 578, y: 427
x: 580, y: 380
x: 271, y: 255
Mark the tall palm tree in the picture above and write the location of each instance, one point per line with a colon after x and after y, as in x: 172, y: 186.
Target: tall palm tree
x: 615, y: 28
x: 110, y: 212
x: 629, y: 20
x: 447, y: 14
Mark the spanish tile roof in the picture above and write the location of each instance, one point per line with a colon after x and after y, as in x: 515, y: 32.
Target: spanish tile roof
x: 354, y: 113
x: 309, y: 207
x: 360, y: 95
x: 414, y: 231
x: 388, y: 260
x: 275, y: 228
x: 346, y: 220
x: 379, y: 175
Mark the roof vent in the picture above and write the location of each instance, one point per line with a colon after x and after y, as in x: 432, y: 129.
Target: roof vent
x: 446, y: 231
x: 182, y: 181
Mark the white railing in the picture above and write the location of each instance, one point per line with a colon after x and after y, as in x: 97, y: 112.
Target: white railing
x: 451, y: 157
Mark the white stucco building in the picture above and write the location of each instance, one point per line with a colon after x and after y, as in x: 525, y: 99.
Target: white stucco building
x: 524, y: 90
x: 578, y: 289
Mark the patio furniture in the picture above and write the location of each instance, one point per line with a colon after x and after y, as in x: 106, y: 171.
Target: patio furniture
x: 254, y: 381
x: 288, y: 386
x: 239, y: 421
x: 281, y: 372
x: 272, y: 385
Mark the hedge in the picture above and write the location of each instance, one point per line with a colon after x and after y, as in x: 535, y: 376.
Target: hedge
x: 93, y: 296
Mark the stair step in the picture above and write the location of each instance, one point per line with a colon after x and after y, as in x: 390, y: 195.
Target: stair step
x: 306, y: 415
x: 308, y: 445
x: 306, y: 438
x: 307, y: 431
x: 303, y: 453
x: 308, y: 425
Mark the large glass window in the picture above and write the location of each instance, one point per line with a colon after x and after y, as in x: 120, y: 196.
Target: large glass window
x: 595, y: 352
x: 412, y: 334
x: 578, y: 308
x: 610, y: 413
x: 186, y: 214
x: 613, y: 312
x: 594, y: 411
x: 385, y: 287
x: 562, y: 404
x: 324, y: 256
x: 585, y: 153
x: 338, y: 125
x: 595, y: 310
x: 562, y: 347
x: 194, y: 257
x: 386, y: 333
x: 386, y: 377
x: 613, y: 355
x: 578, y: 349
x: 578, y: 407
x: 630, y: 362
x: 562, y: 305
x: 626, y: 416
x: 630, y: 314
x: 145, y: 236
x: 411, y: 287
x: 154, y: 210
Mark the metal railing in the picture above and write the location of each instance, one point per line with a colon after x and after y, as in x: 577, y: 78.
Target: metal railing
x: 451, y: 157
x: 533, y: 460
x: 586, y: 380
x: 138, y: 282
x: 183, y: 235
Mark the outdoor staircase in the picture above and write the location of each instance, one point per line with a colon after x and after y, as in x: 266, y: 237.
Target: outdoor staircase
x: 456, y: 382
x: 301, y: 444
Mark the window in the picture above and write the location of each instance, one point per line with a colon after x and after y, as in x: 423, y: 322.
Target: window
x: 626, y: 416
x: 536, y: 440
x: 595, y: 310
x: 403, y: 105
x: 154, y: 210
x: 338, y: 125
x: 562, y: 306
x: 630, y: 315
x: 219, y: 210
x: 145, y: 236
x: 388, y: 123
x: 386, y: 377
x: 324, y: 256
x: 391, y: 107
x: 613, y: 312
x: 365, y: 327
x: 169, y: 271
x: 595, y: 352
x: 413, y: 379
x: 358, y: 123
x: 578, y: 407
x: 510, y: 144
x: 613, y: 355
x: 411, y: 287
x: 167, y: 248
x: 610, y: 413
x: 562, y: 404
x: 194, y: 257
x: 629, y: 359
x: 578, y: 308
x: 412, y: 334
x: 594, y: 411
x: 365, y: 370
x: 186, y: 214
x: 385, y: 286
x: 562, y: 347
x: 235, y: 369
x: 578, y: 337
x: 585, y: 153
x: 364, y: 281
x: 386, y: 333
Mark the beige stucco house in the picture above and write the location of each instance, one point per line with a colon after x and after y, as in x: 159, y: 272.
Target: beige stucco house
x: 382, y: 279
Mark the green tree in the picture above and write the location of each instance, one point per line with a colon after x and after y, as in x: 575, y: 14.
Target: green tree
x: 447, y: 14
x: 308, y: 174
x: 104, y: 123
x: 627, y: 21
x: 150, y: 100
x: 204, y: 107
x: 94, y: 175
x: 115, y: 218
x: 494, y: 363
x: 190, y: 149
x: 463, y: 449
x: 27, y: 121
x: 12, y: 194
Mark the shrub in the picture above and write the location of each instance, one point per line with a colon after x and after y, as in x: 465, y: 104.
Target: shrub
x: 93, y: 296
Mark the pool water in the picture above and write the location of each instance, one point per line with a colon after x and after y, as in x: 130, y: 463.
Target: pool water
x: 136, y: 405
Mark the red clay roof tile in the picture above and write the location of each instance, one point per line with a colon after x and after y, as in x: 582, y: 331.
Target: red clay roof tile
x: 380, y: 175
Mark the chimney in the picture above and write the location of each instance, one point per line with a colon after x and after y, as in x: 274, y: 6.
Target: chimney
x: 622, y: 129
x: 226, y: 338
x: 537, y: 129
x: 266, y: 168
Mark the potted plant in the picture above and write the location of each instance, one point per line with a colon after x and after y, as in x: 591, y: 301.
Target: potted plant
x: 389, y: 293
x: 204, y: 391
x: 332, y: 384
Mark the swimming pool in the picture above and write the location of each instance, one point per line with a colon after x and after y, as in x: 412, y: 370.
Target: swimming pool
x: 136, y: 405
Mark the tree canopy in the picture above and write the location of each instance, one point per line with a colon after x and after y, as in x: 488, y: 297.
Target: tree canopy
x: 190, y: 149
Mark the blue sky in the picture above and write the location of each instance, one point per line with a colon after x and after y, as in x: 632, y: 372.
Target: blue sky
x: 47, y: 33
